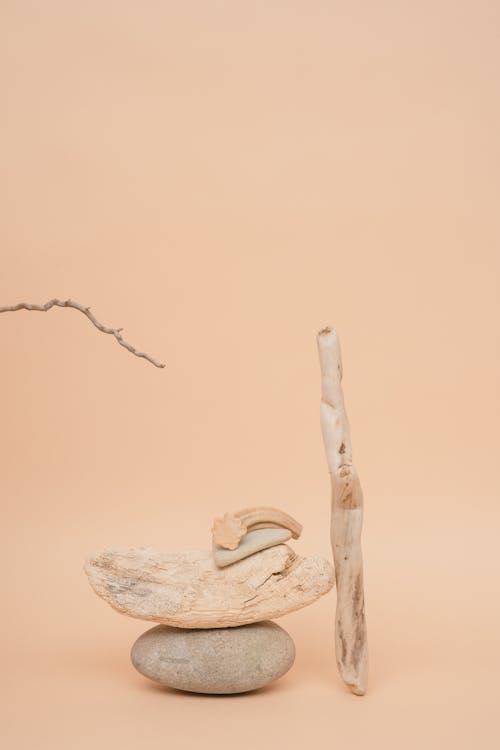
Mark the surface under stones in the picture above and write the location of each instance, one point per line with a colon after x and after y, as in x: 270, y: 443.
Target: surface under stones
x: 214, y: 660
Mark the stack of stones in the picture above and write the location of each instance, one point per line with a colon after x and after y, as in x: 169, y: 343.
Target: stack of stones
x: 214, y: 607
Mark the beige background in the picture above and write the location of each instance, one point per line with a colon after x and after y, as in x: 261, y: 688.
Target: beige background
x: 222, y: 178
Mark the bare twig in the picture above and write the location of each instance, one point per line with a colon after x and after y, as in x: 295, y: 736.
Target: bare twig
x: 116, y: 332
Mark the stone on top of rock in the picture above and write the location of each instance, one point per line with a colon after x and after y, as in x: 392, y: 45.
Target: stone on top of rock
x: 188, y: 590
x: 253, y: 541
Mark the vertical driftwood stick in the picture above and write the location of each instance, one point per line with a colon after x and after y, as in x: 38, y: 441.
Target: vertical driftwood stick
x: 346, y: 520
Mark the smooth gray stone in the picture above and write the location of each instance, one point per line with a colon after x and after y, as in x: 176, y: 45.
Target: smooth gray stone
x: 214, y: 660
x: 253, y: 541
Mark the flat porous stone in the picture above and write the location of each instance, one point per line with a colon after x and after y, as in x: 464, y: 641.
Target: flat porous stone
x: 252, y: 542
x: 215, y: 660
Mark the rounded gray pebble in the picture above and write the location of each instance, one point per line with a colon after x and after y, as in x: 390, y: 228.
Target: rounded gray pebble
x: 214, y: 660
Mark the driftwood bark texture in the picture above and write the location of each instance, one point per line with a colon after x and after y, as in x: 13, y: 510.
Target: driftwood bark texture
x: 346, y: 519
x: 188, y: 590
x: 116, y: 332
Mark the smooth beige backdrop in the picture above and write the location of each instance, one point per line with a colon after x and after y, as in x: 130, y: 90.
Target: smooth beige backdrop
x: 223, y: 178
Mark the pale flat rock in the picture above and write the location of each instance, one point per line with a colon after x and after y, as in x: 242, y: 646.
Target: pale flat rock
x: 253, y: 541
x: 188, y: 590
x: 219, y: 660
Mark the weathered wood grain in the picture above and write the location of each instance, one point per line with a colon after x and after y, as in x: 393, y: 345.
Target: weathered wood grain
x: 346, y: 520
x: 188, y: 590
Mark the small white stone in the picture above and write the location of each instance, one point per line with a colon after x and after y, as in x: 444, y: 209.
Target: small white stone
x: 253, y: 541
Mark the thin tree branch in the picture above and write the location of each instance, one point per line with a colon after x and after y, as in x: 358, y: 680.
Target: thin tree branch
x: 116, y: 332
